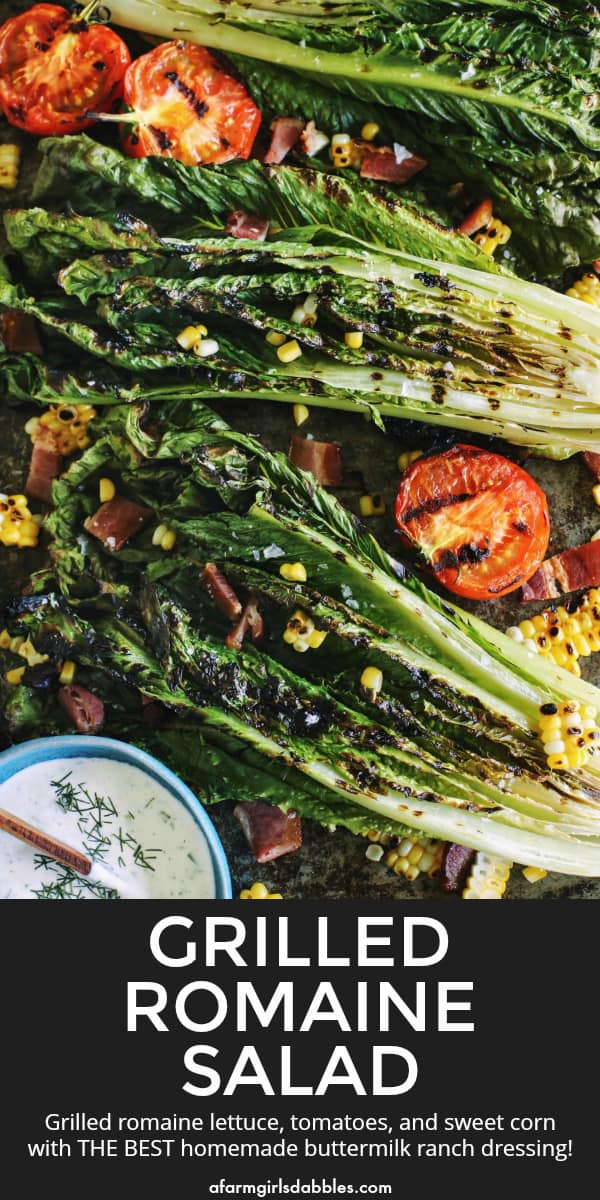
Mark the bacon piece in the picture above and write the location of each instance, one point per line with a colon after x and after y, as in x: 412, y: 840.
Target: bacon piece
x: 311, y: 140
x: 592, y: 462
x: 322, y: 459
x: 479, y: 218
x: 85, y: 710
x: 251, y: 618
x: 285, y: 132
x: 117, y: 521
x: 269, y: 831
x: 576, y: 568
x: 456, y: 863
x: 20, y: 334
x: 395, y: 165
x: 45, y: 465
x: 247, y: 225
x: 220, y: 590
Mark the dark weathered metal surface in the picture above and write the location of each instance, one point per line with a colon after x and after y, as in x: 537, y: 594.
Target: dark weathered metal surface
x: 329, y: 865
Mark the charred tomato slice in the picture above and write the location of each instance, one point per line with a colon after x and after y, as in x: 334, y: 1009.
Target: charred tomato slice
x: 480, y: 521
x: 54, y: 69
x: 188, y: 107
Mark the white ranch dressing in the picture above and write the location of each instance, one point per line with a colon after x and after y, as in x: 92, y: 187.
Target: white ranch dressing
x: 145, y: 844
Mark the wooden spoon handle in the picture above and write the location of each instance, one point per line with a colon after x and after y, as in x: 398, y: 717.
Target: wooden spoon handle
x: 45, y: 843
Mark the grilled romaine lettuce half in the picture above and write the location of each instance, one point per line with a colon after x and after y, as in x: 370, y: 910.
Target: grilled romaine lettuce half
x: 443, y: 343
x: 448, y: 748
x: 502, y: 95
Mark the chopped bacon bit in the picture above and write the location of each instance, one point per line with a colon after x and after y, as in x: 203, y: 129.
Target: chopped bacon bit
x: 220, y: 591
x: 246, y: 225
x: 322, y: 459
x: 456, y: 862
x: 19, y: 333
x: 45, y: 465
x: 392, y: 166
x: 285, y: 132
x: 592, y: 462
x: 117, y: 521
x: 269, y: 831
x: 479, y: 218
x: 576, y: 568
x: 251, y: 618
x: 311, y: 140
x: 85, y: 710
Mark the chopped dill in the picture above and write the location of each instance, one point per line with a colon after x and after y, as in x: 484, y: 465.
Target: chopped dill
x: 67, y: 885
x: 95, y: 817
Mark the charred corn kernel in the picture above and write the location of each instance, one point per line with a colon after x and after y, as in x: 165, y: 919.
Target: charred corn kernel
x: 190, y: 335
x: 293, y: 572
x: 28, y: 651
x: 159, y: 534
x: 496, y: 234
x: 106, y: 490
x: 205, y: 347
x: 534, y: 874
x: 289, y: 351
x: 407, y: 458
x: 17, y: 527
x: 372, y: 680
x: 290, y: 636
x: 68, y: 423
x: 354, y: 339
x: 258, y: 891
x: 10, y: 158
x: 342, y: 150
x: 301, y: 316
x: 316, y: 638
x: 372, y: 505
x: 168, y: 540
x: 568, y: 733
x: 15, y: 676
x: 274, y: 338
x: 488, y: 878
x: 587, y: 289
x: 374, y: 853
x: 413, y: 858
x: 301, y: 413
x: 369, y: 131
x: 67, y: 671
x: 564, y: 635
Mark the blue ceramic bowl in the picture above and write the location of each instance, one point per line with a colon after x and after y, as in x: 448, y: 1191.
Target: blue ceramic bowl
x: 28, y: 754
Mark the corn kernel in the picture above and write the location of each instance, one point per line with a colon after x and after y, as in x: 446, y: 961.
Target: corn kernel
x: 372, y: 679
x: 316, y: 638
x: 534, y: 874
x: 290, y: 636
x: 15, y: 676
x: 159, y: 534
x: 5, y: 640
x: 354, y: 339
x: 274, y: 338
x: 300, y: 645
x: 17, y: 527
x: 371, y: 506
x: 293, y: 572
x: 68, y: 423
x: 28, y: 651
x: 301, y: 413
x: 558, y: 762
x: 596, y: 493
x: 168, y: 540
x: 407, y: 458
x: 289, y: 351
x: 67, y: 672
x: 10, y: 158
x: 258, y: 891
x: 205, y: 347
x: 31, y: 427
x: 374, y: 853
x: 107, y: 490
x: 369, y: 131
x: 586, y: 289
x: 190, y: 335
x: 496, y: 234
